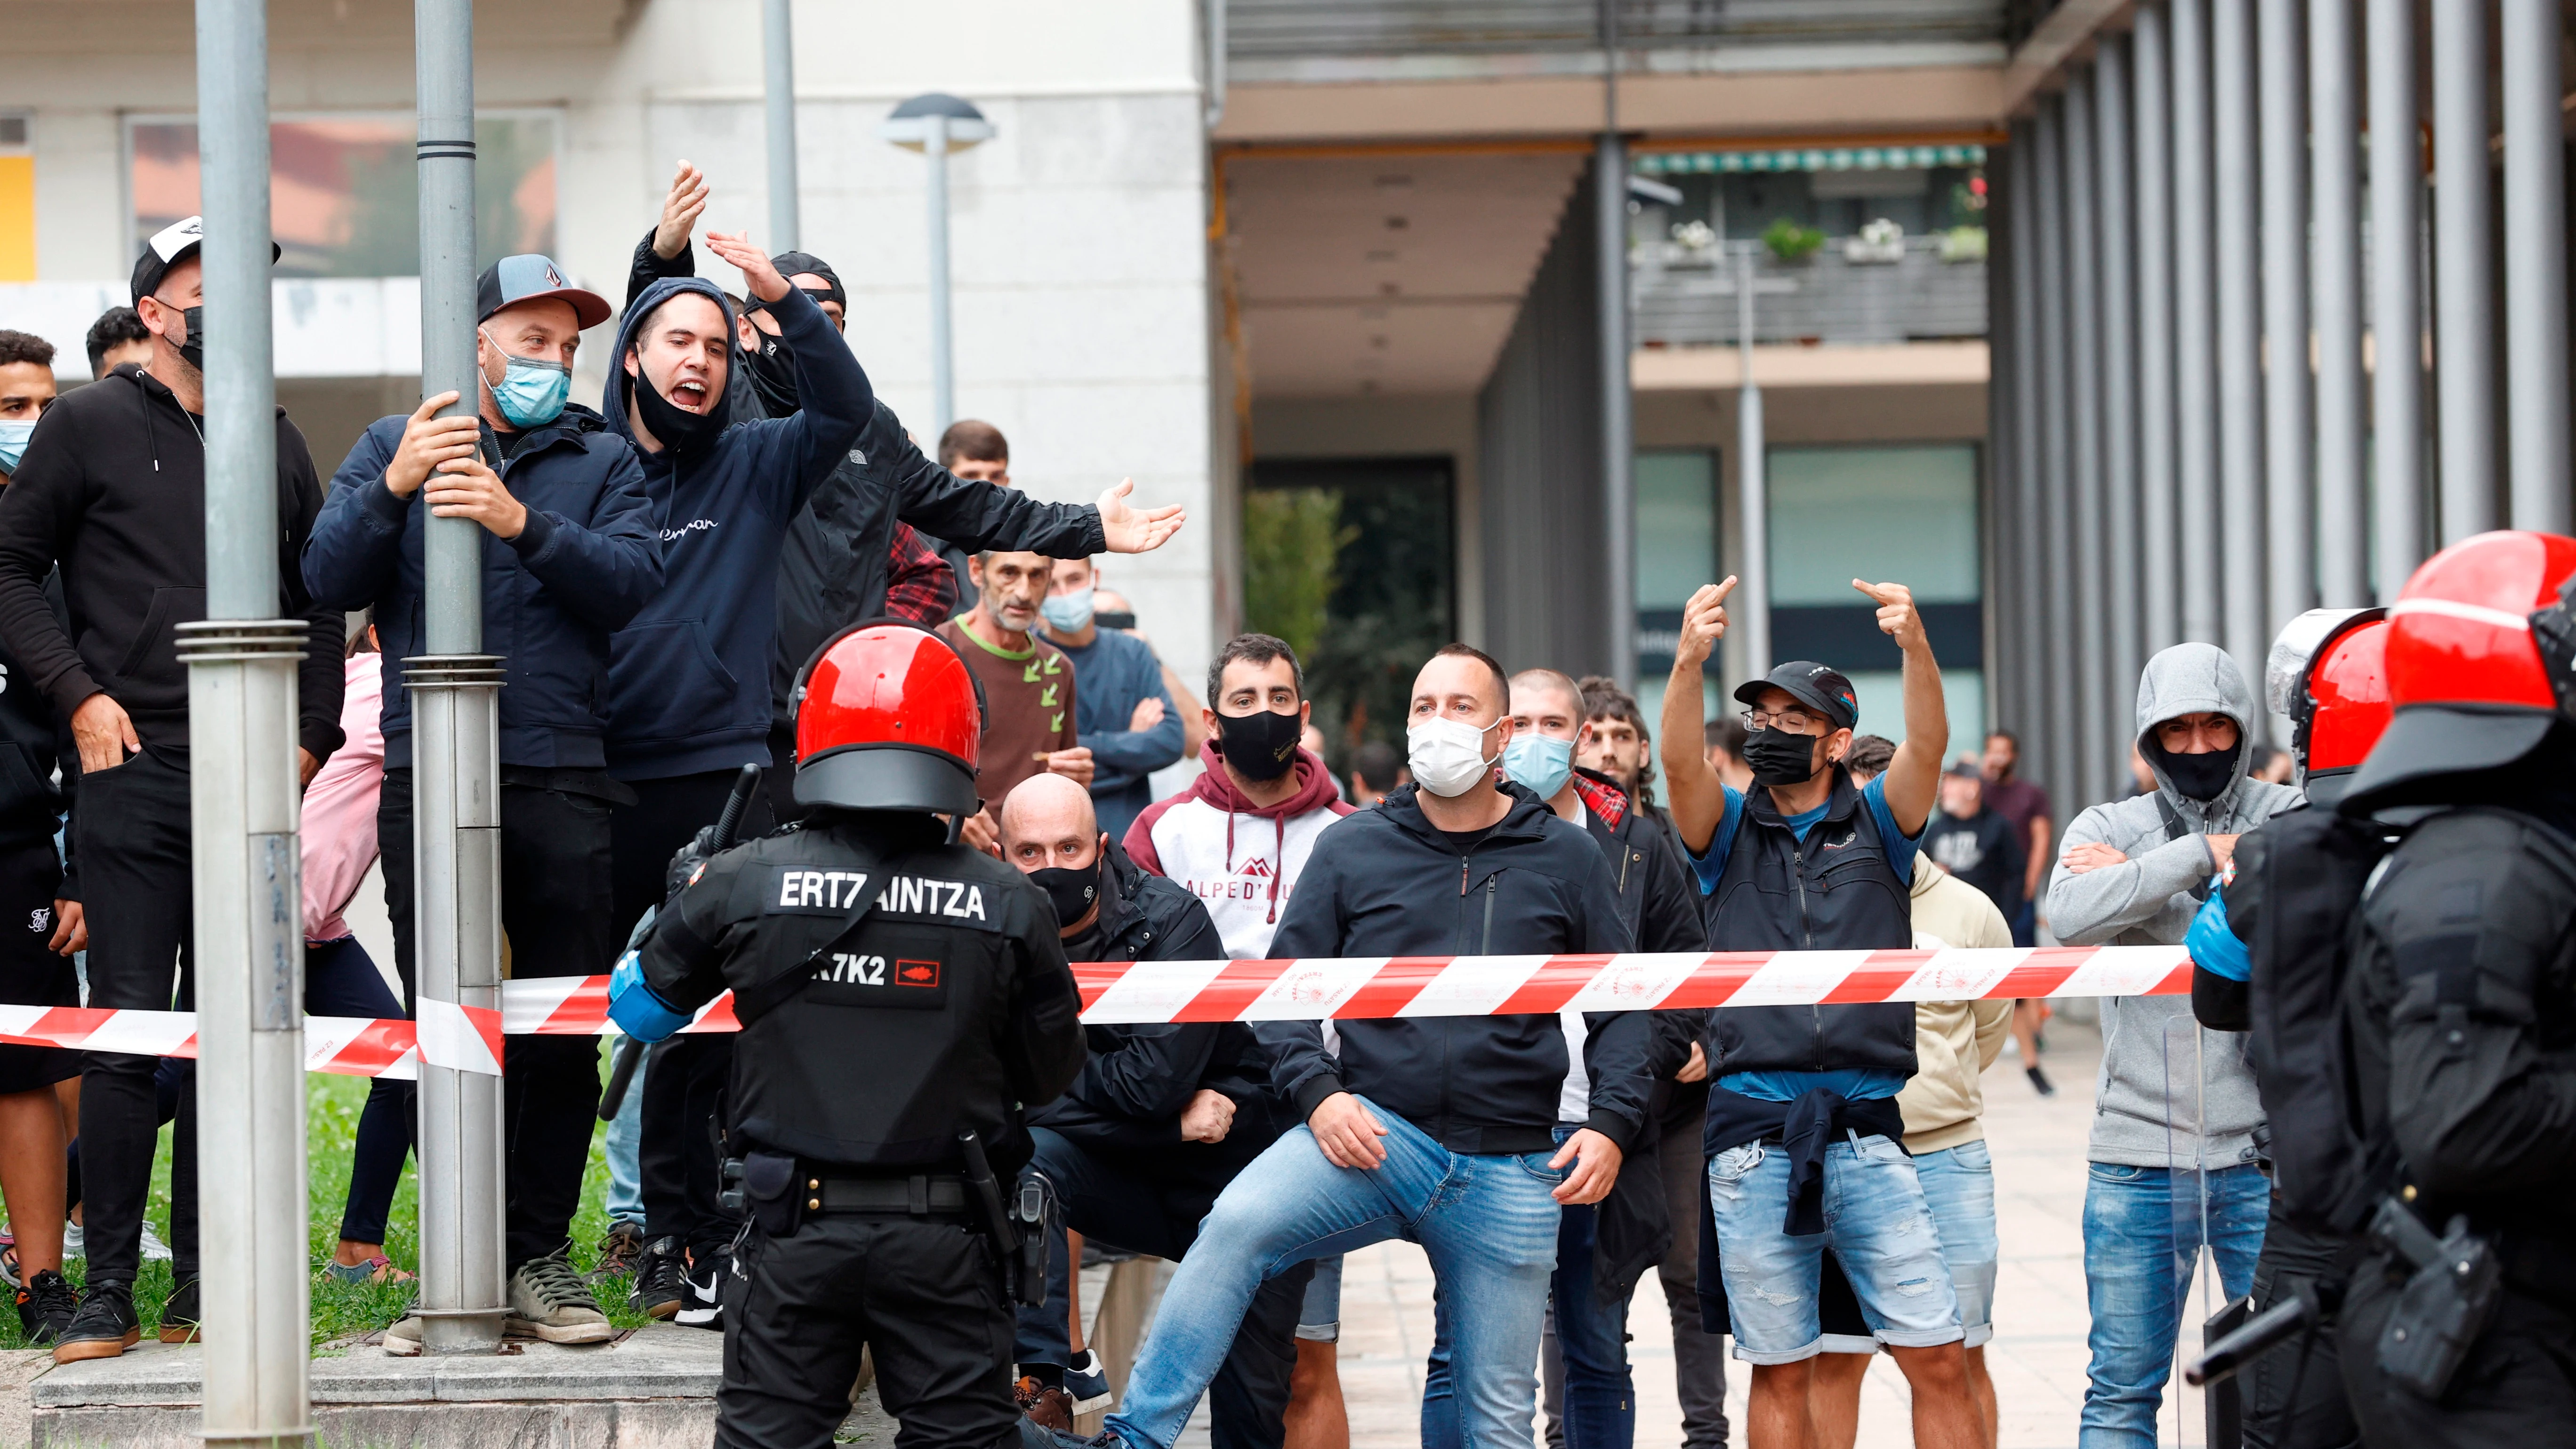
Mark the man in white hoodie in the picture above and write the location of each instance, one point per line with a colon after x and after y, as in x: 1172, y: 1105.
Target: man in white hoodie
x: 2175, y: 1108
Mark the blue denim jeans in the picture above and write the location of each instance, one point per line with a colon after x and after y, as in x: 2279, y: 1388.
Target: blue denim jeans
x: 1600, y: 1393
x: 1877, y: 1223
x: 625, y: 1142
x: 2139, y: 1250
x: 1487, y: 1223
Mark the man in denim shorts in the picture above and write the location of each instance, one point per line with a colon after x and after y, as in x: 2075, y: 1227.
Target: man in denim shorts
x: 1804, y: 1133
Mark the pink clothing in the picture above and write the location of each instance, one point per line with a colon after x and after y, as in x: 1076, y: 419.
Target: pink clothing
x: 339, y: 827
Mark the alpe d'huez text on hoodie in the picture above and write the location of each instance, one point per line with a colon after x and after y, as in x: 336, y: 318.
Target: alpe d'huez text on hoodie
x: 1240, y: 859
x: 689, y: 675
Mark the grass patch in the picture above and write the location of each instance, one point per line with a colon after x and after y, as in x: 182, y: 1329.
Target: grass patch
x: 343, y: 1310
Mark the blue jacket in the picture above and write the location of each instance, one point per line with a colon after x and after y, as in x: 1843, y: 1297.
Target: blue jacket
x: 1112, y: 674
x: 551, y: 597
x: 689, y: 676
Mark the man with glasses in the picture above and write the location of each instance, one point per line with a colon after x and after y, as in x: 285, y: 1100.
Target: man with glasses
x: 1804, y: 1133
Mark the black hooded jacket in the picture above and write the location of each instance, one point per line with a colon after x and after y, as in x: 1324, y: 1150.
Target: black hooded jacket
x: 832, y: 568
x: 113, y: 489
x: 1386, y: 882
x: 1127, y: 1103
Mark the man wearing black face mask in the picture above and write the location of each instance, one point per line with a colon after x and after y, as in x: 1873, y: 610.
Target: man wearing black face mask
x: 113, y: 491
x: 2133, y: 873
x: 1209, y: 837
x: 1161, y: 1119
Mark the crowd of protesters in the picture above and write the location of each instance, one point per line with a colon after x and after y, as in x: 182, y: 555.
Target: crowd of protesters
x: 1809, y: 1184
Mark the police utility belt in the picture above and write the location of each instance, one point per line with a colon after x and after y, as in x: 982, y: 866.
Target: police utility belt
x: 778, y: 1193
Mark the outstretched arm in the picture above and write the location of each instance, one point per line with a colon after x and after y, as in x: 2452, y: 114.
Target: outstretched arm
x: 1913, y: 784
x: 1698, y: 796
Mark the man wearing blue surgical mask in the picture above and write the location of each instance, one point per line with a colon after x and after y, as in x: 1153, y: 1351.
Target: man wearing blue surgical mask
x: 26, y: 390
x: 1603, y: 1249
x: 1121, y: 711
x: 570, y: 554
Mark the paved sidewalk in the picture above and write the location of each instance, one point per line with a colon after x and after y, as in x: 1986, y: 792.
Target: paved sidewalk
x: 2037, y: 1358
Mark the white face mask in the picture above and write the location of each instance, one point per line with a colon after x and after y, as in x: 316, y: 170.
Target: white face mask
x: 1448, y: 756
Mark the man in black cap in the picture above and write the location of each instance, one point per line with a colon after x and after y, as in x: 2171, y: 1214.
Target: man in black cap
x: 1802, y: 1108
x: 570, y: 553
x: 113, y: 491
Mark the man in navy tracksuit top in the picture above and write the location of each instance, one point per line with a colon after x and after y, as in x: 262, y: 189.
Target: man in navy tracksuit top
x: 569, y: 555
x: 689, y: 676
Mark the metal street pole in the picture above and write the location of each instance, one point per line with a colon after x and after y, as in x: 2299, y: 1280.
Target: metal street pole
x: 2535, y: 265
x: 943, y: 386
x: 2089, y: 626
x: 778, y: 73
x: 2027, y: 595
x: 456, y: 817
x: 2463, y: 325
x: 243, y: 793
x: 1752, y: 597
x: 1618, y: 423
x: 2396, y: 311
x: 2334, y: 118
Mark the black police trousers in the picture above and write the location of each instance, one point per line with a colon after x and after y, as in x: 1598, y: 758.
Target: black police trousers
x: 924, y: 1293
x: 2516, y: 1389
x: 554, y: 918
x: 1118, y: 1205
x: 2294, y: 1395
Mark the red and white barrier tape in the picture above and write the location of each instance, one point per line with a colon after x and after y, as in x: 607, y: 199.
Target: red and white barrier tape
x: 1136, y: 993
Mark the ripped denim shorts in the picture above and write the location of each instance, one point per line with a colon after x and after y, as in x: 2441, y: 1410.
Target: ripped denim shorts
x: 1876, y: 1222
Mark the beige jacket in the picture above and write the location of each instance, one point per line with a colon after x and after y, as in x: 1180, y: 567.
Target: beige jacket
x: 1954, y: 1041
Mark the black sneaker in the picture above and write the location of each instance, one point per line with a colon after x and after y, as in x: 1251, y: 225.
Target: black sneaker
x: 661, y: 1279
x: 2039, y: 1081
x: 103, y: 1327
x: 46, y: 1304
x: 619, y: 1251
x: 179, y: 1315
x: 706, y: 1282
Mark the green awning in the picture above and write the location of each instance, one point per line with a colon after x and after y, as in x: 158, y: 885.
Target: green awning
x: 1855, y: 158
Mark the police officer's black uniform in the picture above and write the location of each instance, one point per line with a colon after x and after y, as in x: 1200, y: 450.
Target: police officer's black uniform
x: 865, y: 1050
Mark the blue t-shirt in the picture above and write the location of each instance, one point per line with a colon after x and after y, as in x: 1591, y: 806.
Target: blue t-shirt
x: 1857, y: 1084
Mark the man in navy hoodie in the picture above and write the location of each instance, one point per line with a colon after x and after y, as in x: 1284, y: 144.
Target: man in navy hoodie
x: 569, y: 555
x: 1439, y: 1129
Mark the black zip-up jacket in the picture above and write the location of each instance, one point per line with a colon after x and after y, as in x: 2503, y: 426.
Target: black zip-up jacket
x: 832, y: 568
x: 113, y: 491
x: 588, y: 559
x: 35, y: 740
x: 1128, y: 1101
x: 1386, y: 882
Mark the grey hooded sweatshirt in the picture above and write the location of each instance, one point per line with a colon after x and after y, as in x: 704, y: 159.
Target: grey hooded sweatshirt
x: 2142, y: 1111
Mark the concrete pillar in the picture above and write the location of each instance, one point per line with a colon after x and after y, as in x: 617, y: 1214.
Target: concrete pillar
x: 2119, y: 393
x: 2535, y: 264
x: 2334, y: 119
x: 2289, y: 520
x: 2026, y: 587
x: 2054, y: 518
x: 2088, y: 622
x: 2159, y: 478
x: 2396, y: 306
x: 2463, y: 272
x: 2233, y: 142
x: 2195, y: 312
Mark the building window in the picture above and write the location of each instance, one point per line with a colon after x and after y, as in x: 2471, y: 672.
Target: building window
x: 1904, y: 515
x: 344, y: 195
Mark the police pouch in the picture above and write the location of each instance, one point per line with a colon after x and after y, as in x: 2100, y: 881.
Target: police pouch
x: 764, y: 1185
x: 2446, y: 1303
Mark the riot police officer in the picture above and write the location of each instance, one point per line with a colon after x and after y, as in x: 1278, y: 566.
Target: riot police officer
x: 2269, y: 960
x: 2460, y: 1328
x: 902, y: 999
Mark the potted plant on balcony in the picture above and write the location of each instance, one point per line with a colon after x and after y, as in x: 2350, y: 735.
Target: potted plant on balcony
x: 1791, y: 242
x: 1881, y: 243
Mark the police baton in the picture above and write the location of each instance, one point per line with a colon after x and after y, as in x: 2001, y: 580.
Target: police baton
x: 2260, y: 1334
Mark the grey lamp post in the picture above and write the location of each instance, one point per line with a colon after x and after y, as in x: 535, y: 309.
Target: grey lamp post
x: 938, y: 126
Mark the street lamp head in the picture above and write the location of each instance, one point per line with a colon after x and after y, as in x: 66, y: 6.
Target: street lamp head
x: 909, y: 125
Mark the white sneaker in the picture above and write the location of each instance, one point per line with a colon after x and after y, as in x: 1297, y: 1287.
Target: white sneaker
x: 75, y: 1243
x: 154, y: 1250
x: 403, y: 1339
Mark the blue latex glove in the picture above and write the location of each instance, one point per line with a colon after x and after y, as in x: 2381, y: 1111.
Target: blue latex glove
x: 2213, y: 944
x: 635, y: 1007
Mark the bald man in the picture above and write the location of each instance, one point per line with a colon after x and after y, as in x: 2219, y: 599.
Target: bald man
x: 1161, y: 1119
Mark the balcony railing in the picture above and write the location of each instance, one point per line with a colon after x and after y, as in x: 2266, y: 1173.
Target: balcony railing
x: 1287, y: 29
x: 1685, y: 296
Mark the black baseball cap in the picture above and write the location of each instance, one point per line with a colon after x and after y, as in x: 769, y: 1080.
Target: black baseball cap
x: 172, y: 245
x: 798, y: 264
x: 1819, y: 687
x: 528, y: 276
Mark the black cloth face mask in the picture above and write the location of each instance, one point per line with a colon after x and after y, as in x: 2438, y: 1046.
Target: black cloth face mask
x: 773, y: 375
x: 676, y: 428
x: 1260, y: 745
x: 1072, y: 891
x: 2200, y: 777
x: 193, y: 348
x: 1779, y: 757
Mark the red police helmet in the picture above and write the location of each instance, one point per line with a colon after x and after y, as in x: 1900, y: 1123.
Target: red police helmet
x: 888, y: 718
x: 2468, y: 660
x: 2329, y: 674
